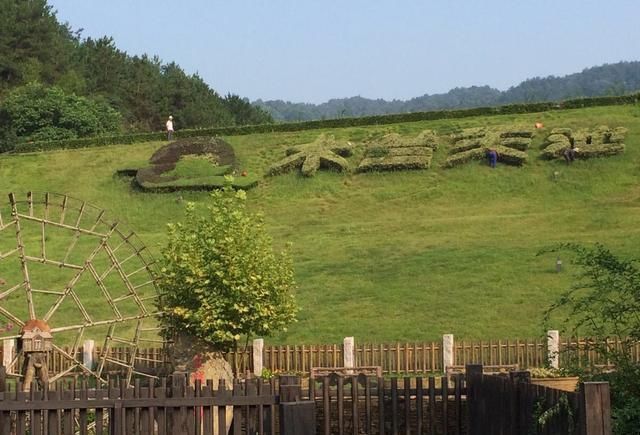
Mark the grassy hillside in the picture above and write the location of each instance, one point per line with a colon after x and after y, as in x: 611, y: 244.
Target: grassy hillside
x: 397, y: 256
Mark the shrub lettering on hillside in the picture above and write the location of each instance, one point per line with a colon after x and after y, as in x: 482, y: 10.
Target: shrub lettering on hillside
x: 473, y: 143
x: 600, y: 141
x: 392, y: 152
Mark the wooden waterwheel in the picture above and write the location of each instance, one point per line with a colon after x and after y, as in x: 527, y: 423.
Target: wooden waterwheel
x: 69, y: 273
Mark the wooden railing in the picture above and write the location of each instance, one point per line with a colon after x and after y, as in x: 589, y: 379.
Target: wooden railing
x: 426, y: 357
x: 413, y: 358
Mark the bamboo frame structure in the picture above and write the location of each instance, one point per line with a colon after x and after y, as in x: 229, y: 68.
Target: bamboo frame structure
x: 123, y: 279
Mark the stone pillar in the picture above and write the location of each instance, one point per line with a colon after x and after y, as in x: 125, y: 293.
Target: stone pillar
x: 553, y: 349
x: 447, y: 351
x: 258, y: 346
x: 8, y: 353
x: 87, y: 353
x: 349, y: 352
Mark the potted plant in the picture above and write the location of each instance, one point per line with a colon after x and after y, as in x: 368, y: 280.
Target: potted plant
x: 554, y: 378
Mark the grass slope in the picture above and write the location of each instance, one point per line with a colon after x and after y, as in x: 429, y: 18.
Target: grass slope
x: 405, y: 255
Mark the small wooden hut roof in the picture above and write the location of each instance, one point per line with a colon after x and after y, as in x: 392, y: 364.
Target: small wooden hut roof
x: 35, y: 323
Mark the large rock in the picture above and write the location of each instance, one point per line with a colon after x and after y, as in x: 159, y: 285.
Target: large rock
x: 196, y: 358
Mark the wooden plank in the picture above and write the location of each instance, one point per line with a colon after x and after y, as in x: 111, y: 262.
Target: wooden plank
x: 407, y: 405
x: 82, y: 415
x: 595, y: 409
x: 53, y: 428
x: 394, y: 405
x: 354, y: 405
x: 326, y: 405
x: 381, y: 406
x: 432, y: 405
x: 340, y: 398
x: 237, y: 411
x: 99, y: 413
x: 444, y: 382
x: 367, y: 403
x: 458, y: 379
x: 419, y: 405
x: 162, y: 412
x: 207, y: 411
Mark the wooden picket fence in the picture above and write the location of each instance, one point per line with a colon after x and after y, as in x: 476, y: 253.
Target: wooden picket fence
x: 465, y: 404
x: 374, y: 405
x: 166, y: 408
x: 426, y: 357
x: 394, y: 358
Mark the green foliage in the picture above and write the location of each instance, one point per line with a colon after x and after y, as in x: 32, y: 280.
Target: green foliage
x: 394, y: 163
x: 332, y: 123
x: 463, y: 157
x: 393, y: 152
x: 473, y: 144
x: 543, y: 414
x: 603, y: 302
x: 600, y: 141
x: 34, y: 46
x: 221, y: 279
x: 197, y: 164
x: 38, y: 112
x: 433, y: 222
x: 324, y: 152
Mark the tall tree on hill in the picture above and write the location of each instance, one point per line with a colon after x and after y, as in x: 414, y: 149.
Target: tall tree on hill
x: 33, y: 45
x: 243, y: 112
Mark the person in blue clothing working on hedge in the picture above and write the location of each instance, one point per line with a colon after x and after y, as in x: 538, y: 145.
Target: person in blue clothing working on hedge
x: 492, y: 156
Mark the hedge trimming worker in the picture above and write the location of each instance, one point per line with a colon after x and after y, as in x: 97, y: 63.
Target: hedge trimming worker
x: 571, y: 150
x: 170, y: 128
x: 492, y: 155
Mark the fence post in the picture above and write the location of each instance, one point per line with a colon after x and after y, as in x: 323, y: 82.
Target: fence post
x: 595, y: 408
x: 8, y: 352
x: 258, y: 346
x: 296, y: 417
x: 553, y: 349
x: 87, y: 353
x: 447, y: 351
x: 475, y: 400
x: 349, y: 352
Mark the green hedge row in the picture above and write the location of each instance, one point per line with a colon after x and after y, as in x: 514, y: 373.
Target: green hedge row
x: 333, y: 123
x: 519, y: 143
x: 395, y: 163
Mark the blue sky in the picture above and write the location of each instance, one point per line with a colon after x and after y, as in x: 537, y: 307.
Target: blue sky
x: 311, y: 51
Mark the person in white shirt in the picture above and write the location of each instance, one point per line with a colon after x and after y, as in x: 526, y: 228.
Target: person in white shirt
x: 170, y: 128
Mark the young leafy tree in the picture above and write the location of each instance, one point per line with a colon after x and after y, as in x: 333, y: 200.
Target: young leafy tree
x: 221, y: 280
x: 604, y: 302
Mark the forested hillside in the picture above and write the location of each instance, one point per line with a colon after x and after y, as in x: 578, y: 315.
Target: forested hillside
x: 53, y: 66
x: 612, y: 79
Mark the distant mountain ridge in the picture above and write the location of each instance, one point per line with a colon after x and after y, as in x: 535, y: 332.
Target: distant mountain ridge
x: 608, y: 79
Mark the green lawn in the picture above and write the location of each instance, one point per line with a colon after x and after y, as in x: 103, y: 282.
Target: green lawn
x: 397, y: 256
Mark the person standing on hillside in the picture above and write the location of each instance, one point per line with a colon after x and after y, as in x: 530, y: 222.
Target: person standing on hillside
x: 492, y: 155
x: 170, y: 128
